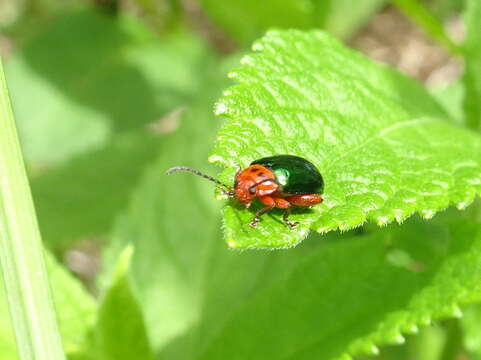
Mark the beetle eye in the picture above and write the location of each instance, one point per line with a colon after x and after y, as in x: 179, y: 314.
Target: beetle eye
x: 252, y: 190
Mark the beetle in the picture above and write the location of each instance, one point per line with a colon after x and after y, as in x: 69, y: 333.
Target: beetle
x: 280, y: 181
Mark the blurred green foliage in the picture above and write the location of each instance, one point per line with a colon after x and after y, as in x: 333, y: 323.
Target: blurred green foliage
x: 247, y: 20
x: 107, y: 101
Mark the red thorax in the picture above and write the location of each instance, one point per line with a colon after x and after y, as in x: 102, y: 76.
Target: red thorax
x: 254, y: 181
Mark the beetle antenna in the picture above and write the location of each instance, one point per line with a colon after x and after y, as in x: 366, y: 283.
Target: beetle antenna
x: 198, y: 173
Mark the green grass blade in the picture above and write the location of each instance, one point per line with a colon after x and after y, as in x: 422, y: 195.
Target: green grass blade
x: 472, y: 73
x: 21, y: 252
x: 429, y: 23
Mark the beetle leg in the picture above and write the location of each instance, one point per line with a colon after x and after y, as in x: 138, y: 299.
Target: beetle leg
x: 257, y: 216
x: 270, y: 204
x: 285, y: 217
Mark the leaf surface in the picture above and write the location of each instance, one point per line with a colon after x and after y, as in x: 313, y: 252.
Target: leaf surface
x: 384, y: 146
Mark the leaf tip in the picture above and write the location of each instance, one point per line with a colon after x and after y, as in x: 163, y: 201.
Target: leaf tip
x: 247, y: 60
x: 399, y: 339
x: 455, y: 311
x: 382, y: 220
x: 232, y: 244
x: 462, y: 205
x: 399, y: 215
x: 215, y: 158
x: 361, y: 347
x: 425, y: 320
x: 220, y: 108
x: 374, y: 350
x: 427, y: 213
x: 413, y: 329
x: 257, y: 46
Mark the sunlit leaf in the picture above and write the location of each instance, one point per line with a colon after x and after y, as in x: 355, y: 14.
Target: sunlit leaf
x: 384, y: 146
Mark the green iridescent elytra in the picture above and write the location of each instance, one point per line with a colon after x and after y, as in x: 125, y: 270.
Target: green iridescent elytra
x: 295, y: 174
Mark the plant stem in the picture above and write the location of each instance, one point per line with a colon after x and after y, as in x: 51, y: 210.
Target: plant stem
x: 21, y: 252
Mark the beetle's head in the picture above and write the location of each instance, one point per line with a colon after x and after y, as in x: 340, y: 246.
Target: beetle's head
x: 255, y: 181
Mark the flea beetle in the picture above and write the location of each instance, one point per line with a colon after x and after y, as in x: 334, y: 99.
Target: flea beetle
x: 280, y: 181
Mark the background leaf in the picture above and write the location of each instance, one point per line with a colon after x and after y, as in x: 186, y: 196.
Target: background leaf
x: 472, y: 74
x: 247, y: 20
x: 380, y: 140
x: 319, y: 311
x: 120, y: 330
x: 173, y: 223
x: 83, y: 87
x: 79, y: 196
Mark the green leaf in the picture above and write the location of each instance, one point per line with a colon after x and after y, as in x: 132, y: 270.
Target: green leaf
x: 247, y: 20
x: 326, y: 297
x: 120, y: 330
x: 472, y: 72
x: 173, y: 224
x: 82, y: 196
x: 102, y: 76
x: 321, y: 299
x: 75, y: 307
x: 348, y: 297
x: 382, y: 143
